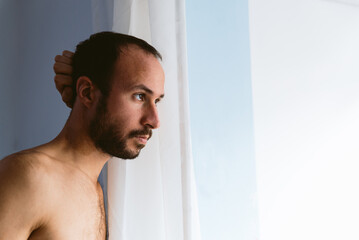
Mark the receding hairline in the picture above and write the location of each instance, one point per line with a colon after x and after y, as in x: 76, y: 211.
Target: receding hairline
x: 130, y: 45
x: 96, y: 56
x: 136, y: 57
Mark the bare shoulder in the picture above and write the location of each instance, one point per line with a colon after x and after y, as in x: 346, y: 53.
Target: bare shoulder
x: 24, y: 200
x: 23, y: 170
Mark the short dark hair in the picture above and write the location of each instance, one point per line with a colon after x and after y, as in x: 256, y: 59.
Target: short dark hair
x: 95, y: 57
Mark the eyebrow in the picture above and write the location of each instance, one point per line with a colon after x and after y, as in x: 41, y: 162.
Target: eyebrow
x: 146, y: 89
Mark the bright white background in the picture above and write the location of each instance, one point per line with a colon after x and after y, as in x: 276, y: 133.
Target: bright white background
x: 305, y: 72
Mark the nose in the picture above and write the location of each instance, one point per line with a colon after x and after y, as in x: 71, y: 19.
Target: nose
x: 150, y: 117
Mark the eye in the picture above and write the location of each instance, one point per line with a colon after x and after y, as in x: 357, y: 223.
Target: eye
x: 157, y: 101
x: 140, y: 96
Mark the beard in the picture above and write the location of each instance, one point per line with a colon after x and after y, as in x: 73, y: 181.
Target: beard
x: 108, y: 136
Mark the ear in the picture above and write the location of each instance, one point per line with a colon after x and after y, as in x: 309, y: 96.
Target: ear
x: 85, y: 91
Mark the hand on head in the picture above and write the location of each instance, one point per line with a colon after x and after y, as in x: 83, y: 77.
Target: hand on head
x: 63, y: 79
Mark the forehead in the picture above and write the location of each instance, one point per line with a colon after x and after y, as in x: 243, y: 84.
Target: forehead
x: 134, y: 66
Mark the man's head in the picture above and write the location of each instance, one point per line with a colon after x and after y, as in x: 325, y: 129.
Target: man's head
x: 95, y: 57
x: 118, y: 80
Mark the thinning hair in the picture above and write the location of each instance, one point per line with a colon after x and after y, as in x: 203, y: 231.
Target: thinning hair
x: 96, y: 56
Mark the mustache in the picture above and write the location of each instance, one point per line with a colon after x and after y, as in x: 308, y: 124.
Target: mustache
x: 136, y: 133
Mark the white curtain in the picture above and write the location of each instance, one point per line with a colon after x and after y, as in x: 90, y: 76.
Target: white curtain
x: 154, y: 196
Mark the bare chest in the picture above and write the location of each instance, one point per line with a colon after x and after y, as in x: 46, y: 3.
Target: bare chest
x: 79, y: 215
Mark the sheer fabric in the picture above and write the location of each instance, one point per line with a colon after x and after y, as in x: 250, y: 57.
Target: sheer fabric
x: 154, y: 196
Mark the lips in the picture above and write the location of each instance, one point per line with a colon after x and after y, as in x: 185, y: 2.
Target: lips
x: 142, y: 139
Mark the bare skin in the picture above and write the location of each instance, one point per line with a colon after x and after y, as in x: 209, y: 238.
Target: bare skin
x: 63, y: 80
x: 51, y: 191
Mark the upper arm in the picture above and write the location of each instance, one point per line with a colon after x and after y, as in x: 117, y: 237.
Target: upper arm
x: 21, y: 203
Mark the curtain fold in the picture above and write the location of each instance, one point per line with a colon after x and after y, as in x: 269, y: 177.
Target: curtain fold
x: 154, y: 196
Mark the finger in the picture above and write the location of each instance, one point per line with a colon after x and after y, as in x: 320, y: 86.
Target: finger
x: 63, y: 59
x: 62, y: 81
x: 67, y: 53
x: 62, y: 68
x: 67, y: 96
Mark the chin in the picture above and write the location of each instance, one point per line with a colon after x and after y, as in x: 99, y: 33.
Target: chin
x: 123, y: 152
x: 128, y: 154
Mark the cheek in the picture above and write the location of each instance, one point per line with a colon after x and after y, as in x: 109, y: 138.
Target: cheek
x: 126, y: 119
x: 125, y: 111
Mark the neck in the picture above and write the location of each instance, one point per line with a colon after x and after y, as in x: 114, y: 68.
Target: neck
x: 74, y: 146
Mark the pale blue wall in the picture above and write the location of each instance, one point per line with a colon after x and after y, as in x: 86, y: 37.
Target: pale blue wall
x: 46, y: 31
x: 221, y: 118
x: 9, y: 73
x: 32, y: 33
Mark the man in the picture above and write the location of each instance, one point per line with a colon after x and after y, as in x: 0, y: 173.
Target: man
x: 51, y: 191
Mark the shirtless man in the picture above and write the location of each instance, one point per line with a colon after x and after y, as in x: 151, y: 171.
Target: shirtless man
x: 51, y: 191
